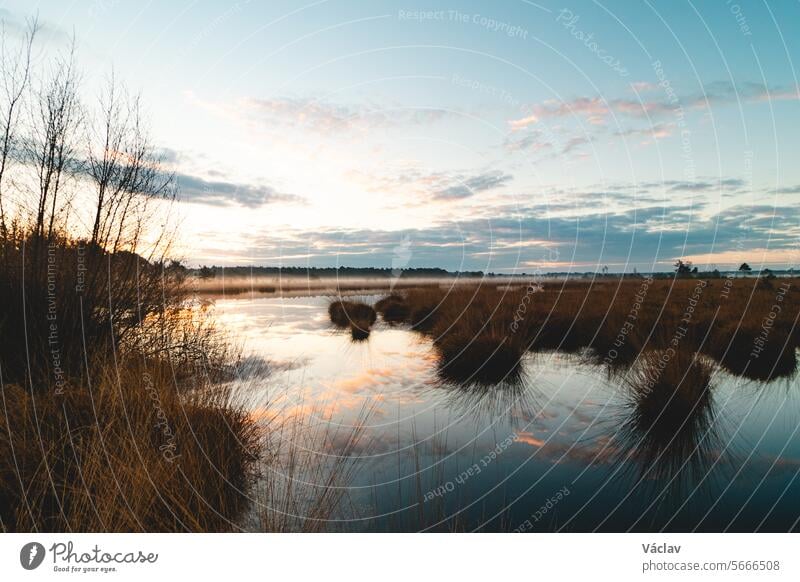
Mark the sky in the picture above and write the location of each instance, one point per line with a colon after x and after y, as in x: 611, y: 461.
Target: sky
x: 510, y: 136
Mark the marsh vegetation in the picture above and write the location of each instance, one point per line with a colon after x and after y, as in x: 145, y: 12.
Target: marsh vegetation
x: 746, y: 326
x: 118, y: 389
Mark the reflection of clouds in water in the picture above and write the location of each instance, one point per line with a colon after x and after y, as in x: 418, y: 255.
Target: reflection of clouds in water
x: 527, y: 438
x: 368, y: 381
x: 782, y: 466
x: 288, y: 365
x: 549, y: 412
x: 584, y: 416
x: 253, y: 367
x: 569, y: 447
x: 598, y: 451
x: 393, y: 383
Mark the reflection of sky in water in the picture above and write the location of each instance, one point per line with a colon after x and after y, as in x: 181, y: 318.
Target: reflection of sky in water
x: 567, y: 424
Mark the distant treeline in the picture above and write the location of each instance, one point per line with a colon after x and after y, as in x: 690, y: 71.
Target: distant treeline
x: 329, y: 272
x: 206, y: 272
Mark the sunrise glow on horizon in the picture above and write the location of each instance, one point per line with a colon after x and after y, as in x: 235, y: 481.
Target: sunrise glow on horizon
x: 500, y: 138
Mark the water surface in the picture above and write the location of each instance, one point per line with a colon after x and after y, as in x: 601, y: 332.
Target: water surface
x: 553, y: 453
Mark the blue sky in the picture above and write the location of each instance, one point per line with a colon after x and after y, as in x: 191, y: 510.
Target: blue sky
x: 501, y: 136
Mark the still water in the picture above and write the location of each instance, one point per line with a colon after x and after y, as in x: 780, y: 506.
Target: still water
x: 553, y: 453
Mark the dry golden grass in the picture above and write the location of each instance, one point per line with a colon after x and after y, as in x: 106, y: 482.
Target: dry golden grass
x: 126, y: 453
x: 733, y: 321
x: 121, y: 418
x: 110, y: 421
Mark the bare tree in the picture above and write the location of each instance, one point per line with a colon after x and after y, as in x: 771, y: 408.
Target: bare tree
x: 55, y: 128
x: 15, y: 73
x: 125, y: 169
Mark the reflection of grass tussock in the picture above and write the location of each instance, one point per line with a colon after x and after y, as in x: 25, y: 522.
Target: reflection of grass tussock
x: 670, y: 431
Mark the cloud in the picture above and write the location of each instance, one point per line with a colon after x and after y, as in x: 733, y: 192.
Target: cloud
x: 551, y: 108
x: 464, y: 187
x: 593, y: 109
x: 788, y: 190
x: 534, y: 140
x: 524, y: 122
x: 725, y: 92
x: 701, y: 185
x: 18, y: 26
x: 643, y: 87
x: 655, y: 131
x: 329, y: 118
x: 220, y: 193
x: 408, y: 179
x: 168, y: 156
x: 649, y: 237
x: 574, y: 143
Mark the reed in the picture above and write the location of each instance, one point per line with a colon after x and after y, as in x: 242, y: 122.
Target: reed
x: 123, y: 453
x: 113, y: 419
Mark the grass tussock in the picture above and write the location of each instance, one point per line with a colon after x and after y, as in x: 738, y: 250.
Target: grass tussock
x: 353, y: 315
x: 670, y: 431
x: 393, y: 308
x: 114, y: 416
x: 486, y: 359
x: 669, y: 387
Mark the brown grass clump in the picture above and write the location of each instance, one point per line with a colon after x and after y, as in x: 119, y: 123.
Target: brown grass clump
x: 486, y: 359
x: 357, y: 316
x: 113, y: 416
x: 734, y: 321
x: 423, y: 306
x: 746, y: 351
x: 393, y: 308
x: 670, y: 431
x: 110, y: 418
x: 474, y: 339
x: 126, y: 453
x: 669, y: 385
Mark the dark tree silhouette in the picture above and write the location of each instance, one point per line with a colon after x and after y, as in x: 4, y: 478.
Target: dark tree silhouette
x: 682, y: 269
